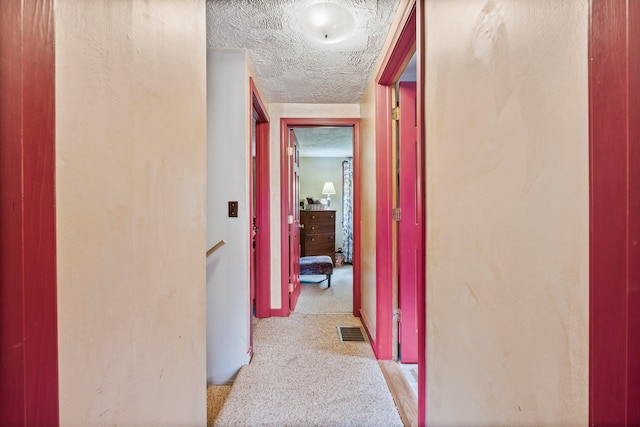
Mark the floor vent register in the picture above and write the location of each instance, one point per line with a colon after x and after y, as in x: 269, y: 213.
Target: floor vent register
x: 351, y: 334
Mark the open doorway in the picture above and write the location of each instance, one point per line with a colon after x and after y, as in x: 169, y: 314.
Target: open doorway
x: 260, y: 259
x: 326, y: 217
x: 400, y: 215
x: 291, y: 207
x: 408, y: 225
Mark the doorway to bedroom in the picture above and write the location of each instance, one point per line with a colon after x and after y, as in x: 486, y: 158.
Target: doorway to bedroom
x: 313, y: 186
x: 326, y: 217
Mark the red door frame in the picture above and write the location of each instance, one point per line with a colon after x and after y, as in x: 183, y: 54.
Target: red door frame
x: 410, y: 33
x: 392, y: 66
x: 614, y: 105
x: 285, y: 125
x: 28, y: 293
x: 262, y: 214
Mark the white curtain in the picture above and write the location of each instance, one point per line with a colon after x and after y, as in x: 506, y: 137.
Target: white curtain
x: 347, y: 210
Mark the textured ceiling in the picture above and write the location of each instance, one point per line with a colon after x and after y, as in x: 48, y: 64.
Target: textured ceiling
x: 325, y: 141
x: 291, y: 67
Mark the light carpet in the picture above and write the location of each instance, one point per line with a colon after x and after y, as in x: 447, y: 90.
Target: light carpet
x: 216, y: 395
x: 302, y: 375
x: 316, y: 297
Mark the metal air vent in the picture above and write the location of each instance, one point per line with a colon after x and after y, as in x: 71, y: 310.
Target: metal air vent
x: 351, y: 334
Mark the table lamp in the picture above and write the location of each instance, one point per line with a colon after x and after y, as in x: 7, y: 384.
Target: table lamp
x: 328, y: 189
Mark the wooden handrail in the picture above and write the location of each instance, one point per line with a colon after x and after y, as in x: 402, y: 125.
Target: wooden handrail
x: 216, y: 247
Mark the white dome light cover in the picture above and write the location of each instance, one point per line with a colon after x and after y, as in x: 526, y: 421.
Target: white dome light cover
x: 327, y: 22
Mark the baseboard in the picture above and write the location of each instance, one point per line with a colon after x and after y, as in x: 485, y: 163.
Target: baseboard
x: 280, y: 312
x: 367, y: 329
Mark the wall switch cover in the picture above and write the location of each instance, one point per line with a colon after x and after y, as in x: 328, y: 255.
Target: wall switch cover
x: 233, y: 209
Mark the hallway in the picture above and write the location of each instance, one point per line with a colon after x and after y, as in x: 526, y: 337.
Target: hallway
x: 303, y: 374
x: 126, y: 135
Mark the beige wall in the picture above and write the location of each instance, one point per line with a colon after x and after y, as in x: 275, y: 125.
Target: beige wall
x: 229, y: 112
x: 278, y: 111
x: 228, y: 171
x: 130, y: 160
x: 368, y: 205
x: 507, y: 212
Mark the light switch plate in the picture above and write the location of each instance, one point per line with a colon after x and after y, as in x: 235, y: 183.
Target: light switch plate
x: 233, y: 209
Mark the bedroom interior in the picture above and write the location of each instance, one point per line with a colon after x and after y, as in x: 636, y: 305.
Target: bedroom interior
x: 325, y: 154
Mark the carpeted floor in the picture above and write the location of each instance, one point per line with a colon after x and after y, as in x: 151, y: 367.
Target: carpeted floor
x: 316, y: 297
x: 216, y: 395
x: 302, y: 375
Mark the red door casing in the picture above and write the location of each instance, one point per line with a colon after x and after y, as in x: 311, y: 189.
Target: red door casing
x: 28, y: 290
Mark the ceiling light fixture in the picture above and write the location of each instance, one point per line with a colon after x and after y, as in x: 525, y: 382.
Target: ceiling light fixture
x: 327, y: 22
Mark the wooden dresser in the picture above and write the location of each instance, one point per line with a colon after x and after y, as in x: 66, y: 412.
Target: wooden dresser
x: 318, y: 236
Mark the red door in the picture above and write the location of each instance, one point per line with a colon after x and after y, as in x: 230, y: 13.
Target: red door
x: 614, y: 102
x: 28, y: 306
x: 252, y: 214
x: 261, y: 270
x: 294, y: 221
x: 408, y: 231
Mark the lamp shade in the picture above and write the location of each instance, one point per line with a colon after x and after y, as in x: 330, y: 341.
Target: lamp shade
x: 328, y: 188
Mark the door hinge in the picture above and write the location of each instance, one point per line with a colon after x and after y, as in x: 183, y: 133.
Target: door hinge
x: 290, y: 151
x: 396, y: 214
x: 290, y: 287
x: 289, y: 219
x: 395, y: 113
x: 397, y: 315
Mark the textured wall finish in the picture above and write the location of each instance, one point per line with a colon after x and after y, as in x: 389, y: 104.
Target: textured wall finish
x: 368, y: 203
x: 291, y: 67
x: 507, y: 212
x: 228, y: 157
x: 325, y: 141
x: 131, y: 170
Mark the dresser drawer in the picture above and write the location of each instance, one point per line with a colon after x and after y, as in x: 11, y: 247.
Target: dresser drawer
x: 319, y: 216
x: 318, y: 236
x: 320, y: 247
x: 315, y: 246
x: 319, y: 227
x: 311, y: 239
x: 323, y: 249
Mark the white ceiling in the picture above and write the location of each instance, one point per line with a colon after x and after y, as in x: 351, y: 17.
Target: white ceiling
x: 325, y: 141
x: 291, y: 67
x: 338, y: 141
